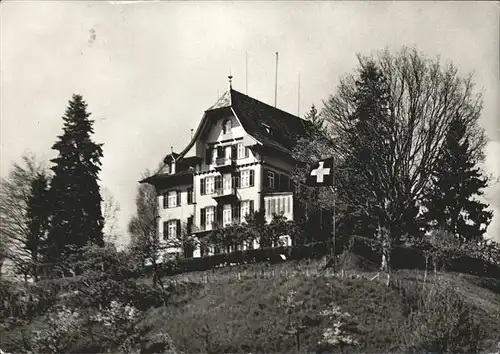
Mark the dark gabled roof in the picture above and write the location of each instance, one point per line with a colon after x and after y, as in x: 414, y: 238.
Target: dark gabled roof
x: 183, y: 177
x: 169, y: 157
x: 269, y: 125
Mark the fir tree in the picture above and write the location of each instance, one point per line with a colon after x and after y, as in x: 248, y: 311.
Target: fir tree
x: 317, y: 121
x: 77, y: 219
x: 314, y: 205
x: 450, y: 203
x: 38, y: 211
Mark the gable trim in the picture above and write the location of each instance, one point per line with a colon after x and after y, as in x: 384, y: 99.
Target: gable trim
x: 202, y: 124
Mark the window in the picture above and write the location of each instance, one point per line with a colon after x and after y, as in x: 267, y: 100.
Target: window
x: 190, y: 195
x: 245, y: 178
x: 172, y: 229
x: 226, y: 214
x: 242, y: 151
x: 227, y: 151
x: 270, y: 179
x: 227, y: 183
x: 172, y: 199
x: 209, y: 216
x: 226, y: 126
x: 246, y: 208
x: 220, y: 151
x: 209, y: 187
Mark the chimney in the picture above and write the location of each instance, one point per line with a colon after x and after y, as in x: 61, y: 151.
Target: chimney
x: 172, y: 163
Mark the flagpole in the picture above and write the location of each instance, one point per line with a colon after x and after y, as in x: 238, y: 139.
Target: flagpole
x: 333, y: 221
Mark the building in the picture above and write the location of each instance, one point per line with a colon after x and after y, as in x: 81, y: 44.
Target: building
x: 238, y: 160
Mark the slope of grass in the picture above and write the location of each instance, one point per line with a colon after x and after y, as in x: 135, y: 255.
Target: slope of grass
x: 238, y: 309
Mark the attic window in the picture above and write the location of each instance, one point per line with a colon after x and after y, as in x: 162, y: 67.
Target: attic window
x: 227, y: 124
x: 267, y: 128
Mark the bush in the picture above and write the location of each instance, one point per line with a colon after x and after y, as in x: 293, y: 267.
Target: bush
x: 441, y: 323
x: 340, y: 330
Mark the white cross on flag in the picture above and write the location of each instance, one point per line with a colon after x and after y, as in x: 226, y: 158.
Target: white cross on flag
x: 321, y: 174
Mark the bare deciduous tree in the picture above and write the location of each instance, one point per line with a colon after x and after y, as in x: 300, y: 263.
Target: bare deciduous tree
x: 143, y: 226
x: 423, y: 98
x: 110, y: 211
x: 14, y: 195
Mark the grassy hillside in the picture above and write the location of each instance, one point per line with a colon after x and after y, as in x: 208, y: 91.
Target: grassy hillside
x: 253, y: 308
x: 237, y: 309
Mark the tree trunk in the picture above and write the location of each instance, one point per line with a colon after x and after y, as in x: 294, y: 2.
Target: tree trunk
x: 386, y: 250
x: 425, y: 271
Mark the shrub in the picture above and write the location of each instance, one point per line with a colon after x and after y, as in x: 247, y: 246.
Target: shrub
x: 159, y: 343
x: 339, y: 332
x: 59, y: 333
x: 441, y: 323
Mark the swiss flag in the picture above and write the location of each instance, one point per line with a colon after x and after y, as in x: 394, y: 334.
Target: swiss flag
x: 321, y: 174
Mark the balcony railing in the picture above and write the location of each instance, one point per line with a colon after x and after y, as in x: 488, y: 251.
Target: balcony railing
x: 224, y: 161
x: 219, y: 192
x: 219, y: 224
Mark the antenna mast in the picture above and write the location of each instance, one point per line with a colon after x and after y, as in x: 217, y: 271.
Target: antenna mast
x: 246, y: 73
x: 276, y: 82
x: 298, y: 99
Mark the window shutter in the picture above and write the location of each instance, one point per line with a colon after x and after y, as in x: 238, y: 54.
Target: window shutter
x: 252, y: 178
x: 208, y: 156
x: 165, y: 230
x: 286, y: 182
x: 251, y: 206
x: 178, y: 228
x: 203, y: 217
x: 202, y: 186
x: 218, y: 213
x: 189, y: 225
x: 218, y: 182
x: 178, y: 198
x: 165, y: 201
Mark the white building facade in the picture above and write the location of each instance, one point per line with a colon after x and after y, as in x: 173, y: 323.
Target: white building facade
x: 238, y: 161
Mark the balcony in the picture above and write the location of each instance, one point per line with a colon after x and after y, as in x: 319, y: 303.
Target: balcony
x: 217, y: 225
x: 225, y: 195
x: 224, y: 164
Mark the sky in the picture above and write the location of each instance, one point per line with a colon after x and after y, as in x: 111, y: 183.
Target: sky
x: 149, y: 69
